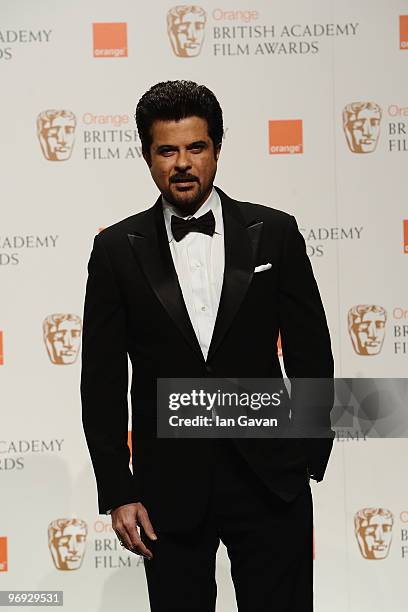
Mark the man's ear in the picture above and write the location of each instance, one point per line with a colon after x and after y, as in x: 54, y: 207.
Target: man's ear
x: 217, y: 151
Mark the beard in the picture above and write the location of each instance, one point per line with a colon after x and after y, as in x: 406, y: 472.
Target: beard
x: 187, y: 197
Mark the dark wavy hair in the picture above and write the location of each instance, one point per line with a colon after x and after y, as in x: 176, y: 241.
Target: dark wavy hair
x: 175, y: 100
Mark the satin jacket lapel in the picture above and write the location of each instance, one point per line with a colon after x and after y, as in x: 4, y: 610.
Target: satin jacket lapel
x: 241, y: 242
x: 151, y: 248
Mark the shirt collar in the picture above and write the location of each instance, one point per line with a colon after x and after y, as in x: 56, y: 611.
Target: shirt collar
x: 212, y: 203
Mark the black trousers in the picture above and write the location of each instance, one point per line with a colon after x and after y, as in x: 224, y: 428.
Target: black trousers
x: 269, y: 543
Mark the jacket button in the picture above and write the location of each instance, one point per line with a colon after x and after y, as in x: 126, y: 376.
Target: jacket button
x: 209, y: 369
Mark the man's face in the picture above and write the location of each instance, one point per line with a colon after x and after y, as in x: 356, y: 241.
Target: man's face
x: 187, y: 34
x: 59, y: 138
x: 375, y: 537
x: 364, y: 131
x: 64, y: 342
x: 70, y: 547
x: 183, y: 162
x: 368, y: 335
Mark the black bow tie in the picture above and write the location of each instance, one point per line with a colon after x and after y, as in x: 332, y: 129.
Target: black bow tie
x: 204, y: 224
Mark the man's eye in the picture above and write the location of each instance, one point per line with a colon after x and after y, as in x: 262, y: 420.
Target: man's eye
x: 197, y: 149
x: 166, y: 152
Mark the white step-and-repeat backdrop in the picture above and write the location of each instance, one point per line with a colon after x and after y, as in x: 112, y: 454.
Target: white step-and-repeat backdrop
x: 315, y: 101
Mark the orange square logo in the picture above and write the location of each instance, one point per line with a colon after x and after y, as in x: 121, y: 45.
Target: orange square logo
x: 1, y: 348
x: 286, y: 137
x: 405, y: 234
x: 403, y: 31
x: 110, y: 40
x: 3, y: 554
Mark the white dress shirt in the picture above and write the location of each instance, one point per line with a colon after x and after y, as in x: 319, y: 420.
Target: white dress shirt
x: 199, y: 261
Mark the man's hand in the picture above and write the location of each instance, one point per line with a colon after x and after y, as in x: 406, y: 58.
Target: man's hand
x: 125, y: 519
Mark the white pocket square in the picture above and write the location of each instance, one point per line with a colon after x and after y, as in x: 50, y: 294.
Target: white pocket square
x: 263, y: 267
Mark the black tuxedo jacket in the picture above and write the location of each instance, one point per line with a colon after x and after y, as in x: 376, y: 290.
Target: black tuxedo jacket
x: 134, y: 306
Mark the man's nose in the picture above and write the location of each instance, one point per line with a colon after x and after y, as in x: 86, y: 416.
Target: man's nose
x: 183, y: 162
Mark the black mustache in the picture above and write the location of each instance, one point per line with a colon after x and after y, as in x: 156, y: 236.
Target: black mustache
x: 181, y: 179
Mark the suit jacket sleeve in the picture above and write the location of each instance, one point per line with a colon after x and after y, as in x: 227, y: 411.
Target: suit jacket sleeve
x: 104, y: 383
x: 306, y: 348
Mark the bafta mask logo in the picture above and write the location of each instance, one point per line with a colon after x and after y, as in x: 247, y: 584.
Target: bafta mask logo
x: 366, y: 325
x: 361, y: 124
x: 62, y: 337
x: 373, y: 531
x: 56, y: 133
x: 186, y: 28
x: 66, y: 541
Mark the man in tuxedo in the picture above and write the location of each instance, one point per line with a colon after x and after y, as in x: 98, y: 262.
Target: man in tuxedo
x: 200, y: 285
